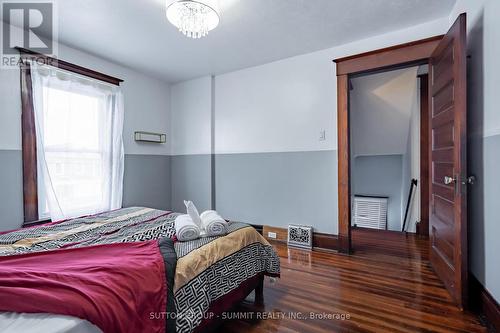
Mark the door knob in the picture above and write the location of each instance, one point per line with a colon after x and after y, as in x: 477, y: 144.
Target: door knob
x: 469, y: 180
x: 448, y: 180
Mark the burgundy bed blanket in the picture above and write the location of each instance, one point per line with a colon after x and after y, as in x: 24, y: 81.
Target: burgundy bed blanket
x: 118, y: 287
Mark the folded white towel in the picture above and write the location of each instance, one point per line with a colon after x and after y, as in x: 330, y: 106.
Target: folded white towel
x: 193, y: 213
x: 186, y: 229
x: 213, y: 224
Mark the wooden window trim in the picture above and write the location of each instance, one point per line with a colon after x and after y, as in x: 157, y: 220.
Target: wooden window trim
x: 30, y: 173
x: 30, y: 187
x: 403, y: 55
x: 61, y: 64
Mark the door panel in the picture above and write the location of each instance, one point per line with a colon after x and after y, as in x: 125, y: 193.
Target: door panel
x: 443, y: 118
x: 442, y: 192
x: 444, y: 99
x: 448, y: 189
x: 442, y: 136
x: 444, y: 211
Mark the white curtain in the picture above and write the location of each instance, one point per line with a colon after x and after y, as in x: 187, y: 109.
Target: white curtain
x: 79, y: 125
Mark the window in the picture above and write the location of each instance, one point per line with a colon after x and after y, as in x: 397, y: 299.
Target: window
x: 76, y: 155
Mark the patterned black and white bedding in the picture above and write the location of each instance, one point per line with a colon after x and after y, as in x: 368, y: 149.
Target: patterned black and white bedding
x: 232, y: 259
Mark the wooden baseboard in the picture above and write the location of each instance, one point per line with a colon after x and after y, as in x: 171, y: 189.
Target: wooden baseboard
x: 281, y: 234
x: 484, y: 304
x: 321, y: 241
x: 258, y: 227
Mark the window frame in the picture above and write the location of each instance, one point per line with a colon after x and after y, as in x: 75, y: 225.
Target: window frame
x: 28, y: 131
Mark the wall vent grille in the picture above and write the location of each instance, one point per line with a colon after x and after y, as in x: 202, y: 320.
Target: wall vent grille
x: 370, y: 212
x: 300, y: 236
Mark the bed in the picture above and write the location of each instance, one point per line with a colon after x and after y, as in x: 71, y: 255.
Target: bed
x: 124, y: 271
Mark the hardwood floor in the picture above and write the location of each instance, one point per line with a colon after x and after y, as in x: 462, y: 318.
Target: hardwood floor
x: 387, y: 285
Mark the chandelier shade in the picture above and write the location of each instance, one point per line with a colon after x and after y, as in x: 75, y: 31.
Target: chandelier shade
x: 194, y: 18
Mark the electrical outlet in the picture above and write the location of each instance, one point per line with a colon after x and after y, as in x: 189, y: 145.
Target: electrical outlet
x: 271, y: 234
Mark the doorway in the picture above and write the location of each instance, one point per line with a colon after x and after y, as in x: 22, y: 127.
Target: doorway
x: 448, y: 179
x: 400, y: 56
x: 388, y: 113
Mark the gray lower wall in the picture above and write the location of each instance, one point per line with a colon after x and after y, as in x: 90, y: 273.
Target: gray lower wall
x: 380, y: 175
x: 11, y: 189
x: 484, y: 216
x: 483, y: 161
x: 146, y: 183
x: 191, y: 180
x: 276, y: 189
x: 279, y: 188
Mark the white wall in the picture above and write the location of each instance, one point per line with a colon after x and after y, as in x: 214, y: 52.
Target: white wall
x: 278, y: 107
x: 147, y: 103
x: 484, y: 14
x: 483, y: 36
x: 191, y: 122
x: 282, y: 106
x: 381, y: 108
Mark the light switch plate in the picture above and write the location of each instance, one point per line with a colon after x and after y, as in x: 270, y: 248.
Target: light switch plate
x: 271, y: 234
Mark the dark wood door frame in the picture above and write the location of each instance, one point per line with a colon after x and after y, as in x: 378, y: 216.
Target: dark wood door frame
x: 423, y: 226
x: 399, y: 56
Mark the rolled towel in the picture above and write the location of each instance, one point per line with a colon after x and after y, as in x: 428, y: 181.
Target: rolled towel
x: 186, y: 229
x: 193, y: 213
x: 213, y: 224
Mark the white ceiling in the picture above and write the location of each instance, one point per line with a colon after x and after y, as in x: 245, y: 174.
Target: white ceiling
x: 137, y: 34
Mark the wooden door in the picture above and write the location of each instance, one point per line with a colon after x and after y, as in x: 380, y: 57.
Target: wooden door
x: 448, y: 183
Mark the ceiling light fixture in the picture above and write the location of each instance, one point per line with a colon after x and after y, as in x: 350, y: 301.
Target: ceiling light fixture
x: 194, y: 18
